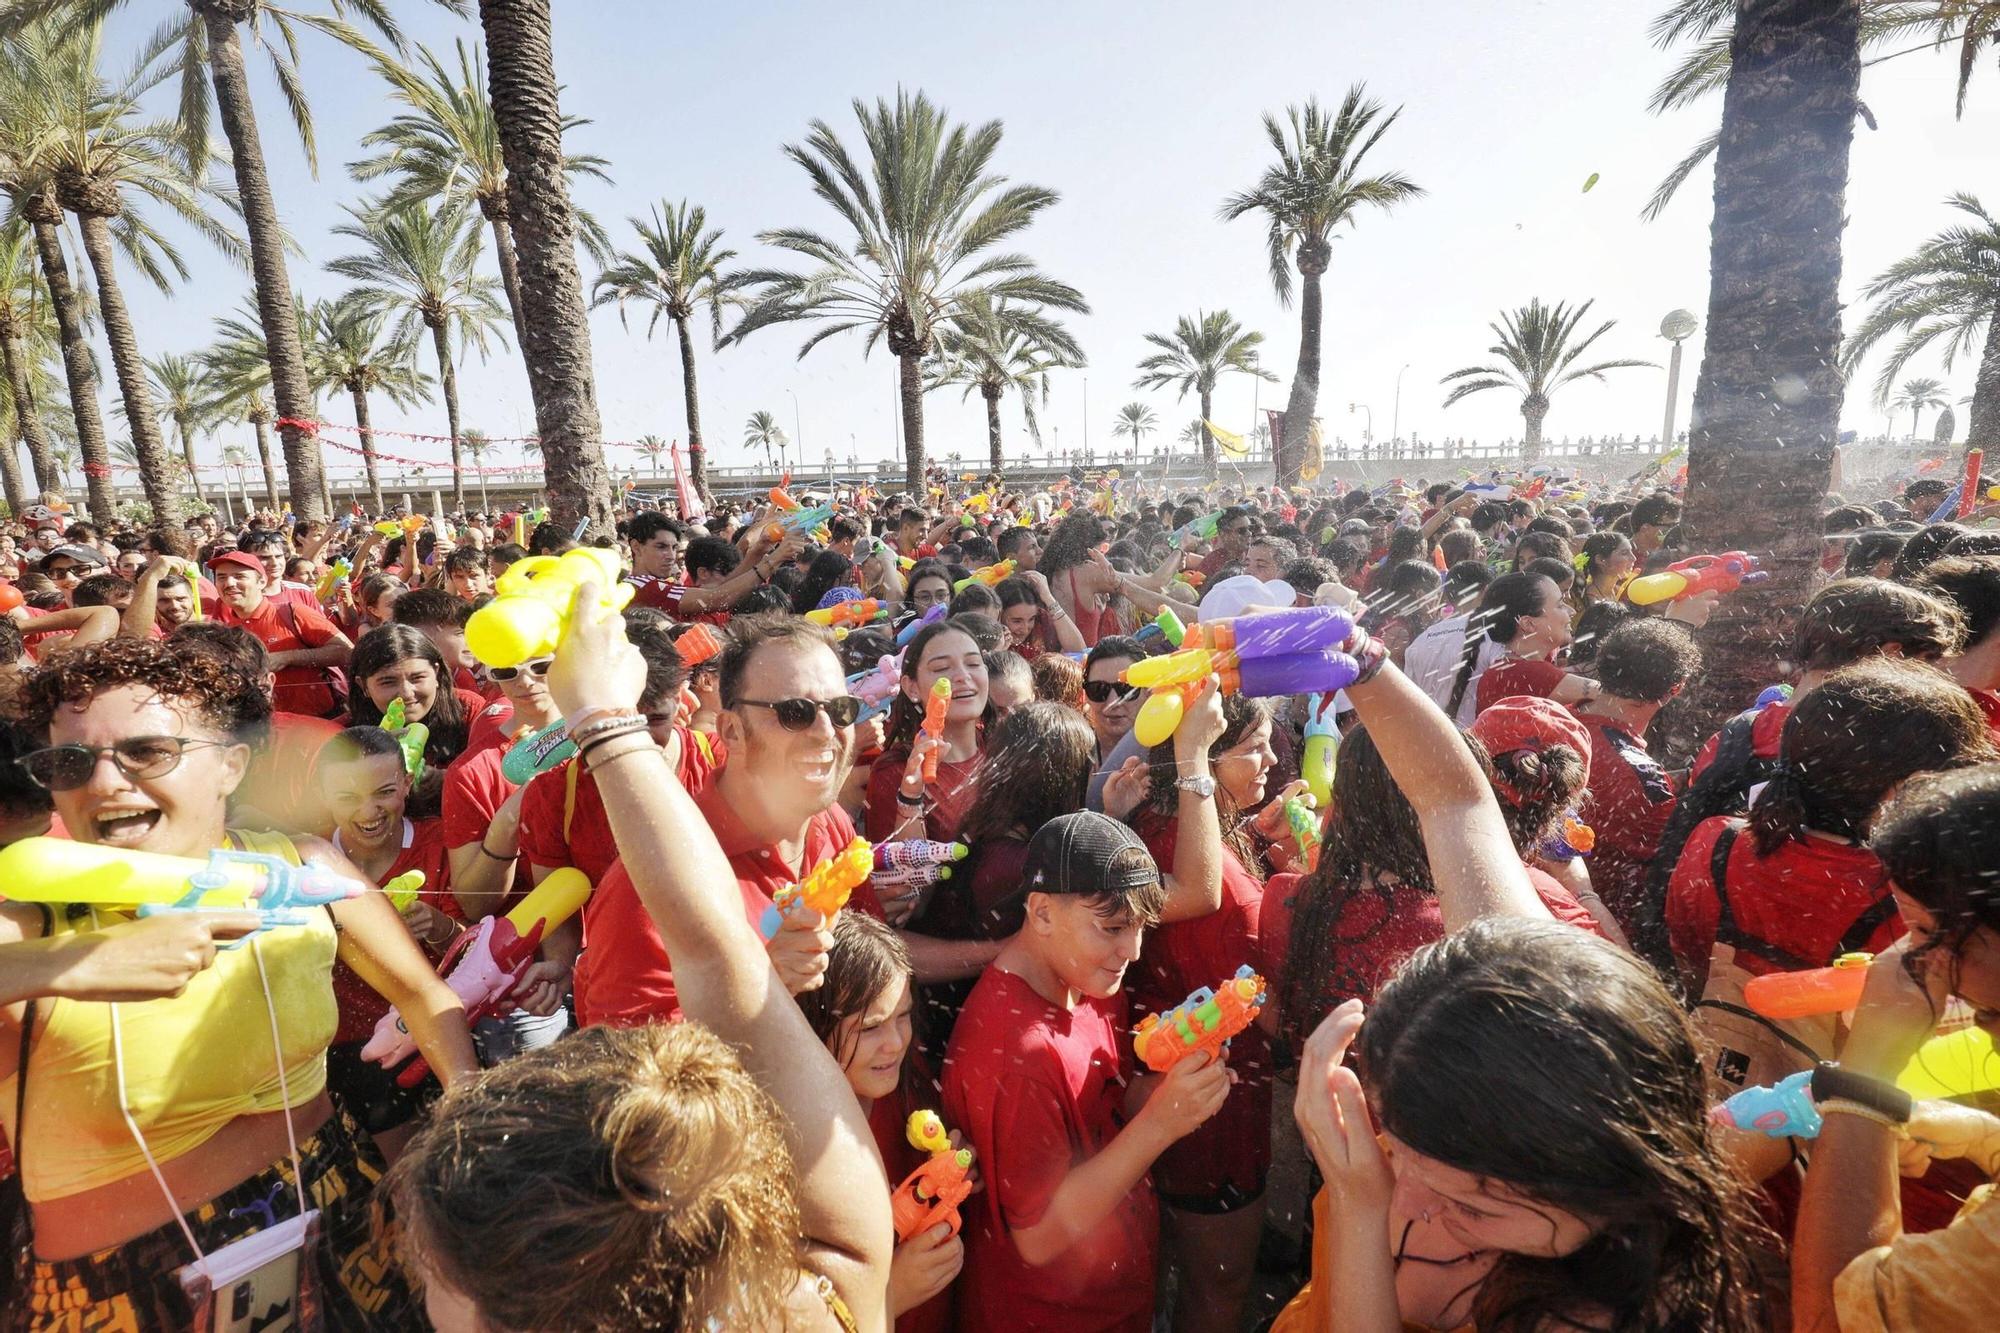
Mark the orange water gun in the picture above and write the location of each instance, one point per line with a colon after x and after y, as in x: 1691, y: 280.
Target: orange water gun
x: 857, y: 612
x: 699, y: 644
x: 989, y: 576
x: 935, y: 708
x: 782, y: 498
x: 1202, y: 1023
x: 1821, y: 990
x: 825, y: 889
x: 932, y: 1193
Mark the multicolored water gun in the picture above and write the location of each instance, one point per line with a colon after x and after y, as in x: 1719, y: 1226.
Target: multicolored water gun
x: 1696, y: 575
x: 1572, y: 838
x: 411, y: 738
x: 1820, y: 990
x: 1165, y: 626
x: 529, y: 614
x: 877, y: 687
x: 799, y: 520
x: 879, y: 547
x: 825, y: 889
x: 989, y: 576
x: 860, y: 611
x: 782, y: 499
x: 1202, y: 1023
x: 57, y: 870
x: 1294, y: 651
x: 1301, y: 814
x: 1960, y: 499
x: 935, y: 708
x: 920, y: 853
x: 1772, y: 694
x: 932, y: 1193
x: 1322, y: 745
x: 335, y: 575
x: 1201, y: 529
x: 485, y: 966
x: 1781, y: 1111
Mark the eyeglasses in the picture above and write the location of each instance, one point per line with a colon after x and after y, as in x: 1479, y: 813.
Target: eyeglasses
x: 798, y: 714
x: 67, y: 767
x: 64, y: 571
x: 538, y: 666
x: 1109, y: 691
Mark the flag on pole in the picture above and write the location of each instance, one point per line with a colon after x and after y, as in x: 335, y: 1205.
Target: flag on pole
x: 685, y: 495
x: 1310, y: 465
x: 1227, y: 440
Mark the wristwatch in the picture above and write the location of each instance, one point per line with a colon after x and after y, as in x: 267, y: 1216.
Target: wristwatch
x: 1201, y: 784
x: 1832, y: 1083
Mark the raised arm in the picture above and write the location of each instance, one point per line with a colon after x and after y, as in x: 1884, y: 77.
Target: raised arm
x: 721, y: 971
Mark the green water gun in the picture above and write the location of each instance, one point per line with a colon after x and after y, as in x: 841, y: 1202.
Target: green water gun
x: 411, y: 738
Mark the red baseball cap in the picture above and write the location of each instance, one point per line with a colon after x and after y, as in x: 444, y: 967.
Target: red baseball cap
x: 243, y: 558
x: 1526, y: 722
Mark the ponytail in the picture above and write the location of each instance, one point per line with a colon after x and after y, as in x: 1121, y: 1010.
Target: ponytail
x: 1508, y: 599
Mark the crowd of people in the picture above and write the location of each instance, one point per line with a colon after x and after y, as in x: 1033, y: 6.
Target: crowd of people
x: 1499, y: 933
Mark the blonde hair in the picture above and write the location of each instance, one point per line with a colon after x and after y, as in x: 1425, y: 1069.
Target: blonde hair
x: 623, y: 1178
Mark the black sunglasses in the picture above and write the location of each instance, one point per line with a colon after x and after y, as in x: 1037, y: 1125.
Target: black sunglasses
x: 537, y: 666
x: 1104, y: 691
x: 798, y: 714
x: 67, y: 767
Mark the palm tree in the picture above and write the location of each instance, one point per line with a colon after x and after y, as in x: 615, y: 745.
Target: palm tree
x: 926, y: 213
x: 679, y: 272
x: 186, y: 396
x: 479, y: 444
x: 1538, y: 349
x: 421, y: 267
x: 1136, y: 420
x: 1915, y: 396
x: 1195, y: 357
x: 1949, y: 288
x: 555, y: 328
x: 356, y: 350
x: 1767, y: 402
x: 27, y: 334
x: 240, y: 374
x: 992, y: 347
x: 1314, y: 189
x: 652, y: 446
x: 762, y: 431
x: 64, y: 457
x: 447, y: 146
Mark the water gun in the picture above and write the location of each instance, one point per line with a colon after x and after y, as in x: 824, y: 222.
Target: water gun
x: 402, y: 890
x: 333, y: 578
x: 1573, y: 838
x: 1295, y: 651
x: 882, y: 548
x: 932, y: 1193
x: 529, y: 615
x: 1696, y: 575
x: 1322, y: 745
x: 1300, y: 815
x: 825, y: 889
x: 537, y: 752
x: 1959, y: 500
x: 1772, y: 694
x: 877, y: 686
x: 1201, y: 529
x: 799, y: 520
x: 411, y: 738
x: 1822, y: 990
x: 851, y: 614
x: 56, y: 870
x: 1783, y: 1110
x: 1202, y: 1023
x: 389, y: 528
x: 1956, y: 1064
x: 782, y: 499
x: 930, y: 617
x: 934, y: 711
x: 698, y: 644
x: 485, y: 966
x: 1165, y: 625
x: 920, y: 853
x: 520, y: 529
x: 989, y: 576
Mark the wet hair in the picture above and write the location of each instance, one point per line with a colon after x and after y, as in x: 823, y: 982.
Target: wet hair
x: 711, y: 553
x: 1306, y: 573
x: 1972, y: 584
x: 1058, y: 678
x: 867, y: 958
x: 1938, y: 838
x: 650, y: 523
x: 1344, y: 554
x: 1658, y: 510
x: 1850, y: 619
x: 1869, y: 548
x: 1854, y: 738
x: 976, y: 597
x: 1466, y: 581
x: 465, y: 560
x: 763, y: 599
x: 99, y: 589
x: 665, y: 1193
x: 1533, y: 1055
x: 1535, y: 788
x: 1509, y: 599
x: 1240, y: 716
x: 418, y: 607
x: 1587, y: 636
x: 1924, y: 547
x: 1406, y: 588
x: 197, y: 680
x: 385, y: 646
x: 1646, y: 659
x: 12, y: 646
x: 352, y: 743
x: 1072, y: 542
x: 829, y: 570
x: 1038, y: 765
x: 234, y: 642
x: 1848, y: 518
x: 549, y: 538
x: 1975, y: 543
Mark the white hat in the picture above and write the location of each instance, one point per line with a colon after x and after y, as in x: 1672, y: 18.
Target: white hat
x: 1229, y: 597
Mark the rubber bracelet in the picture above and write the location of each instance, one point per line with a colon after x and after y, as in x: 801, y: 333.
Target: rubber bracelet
x: 584, y: 715
x: 493, y: 855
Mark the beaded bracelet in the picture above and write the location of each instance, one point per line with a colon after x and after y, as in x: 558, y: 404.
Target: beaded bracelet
x: 603, y: 725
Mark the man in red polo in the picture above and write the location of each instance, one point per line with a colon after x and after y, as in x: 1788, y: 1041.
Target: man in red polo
x: 302, y: 643
x: 772, y: 806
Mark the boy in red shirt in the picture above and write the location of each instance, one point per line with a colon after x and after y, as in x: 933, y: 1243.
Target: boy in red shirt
x: 302, y: 643
x: 1066, y: 1235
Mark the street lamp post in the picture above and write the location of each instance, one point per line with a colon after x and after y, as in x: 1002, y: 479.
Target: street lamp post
x: 798, y: 430
x: 1676, y: 328
x: 1396, y: 413
x: 1368, y: 431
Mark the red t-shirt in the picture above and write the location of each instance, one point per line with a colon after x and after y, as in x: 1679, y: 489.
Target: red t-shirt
x: 1989, y: 708
x: 361, y: 1007
x: 1231, y: 1154
x: 1514, y: 675
x: 1038, y: 1090
x: 625, y: 977
x: 1629, y: 802
x: 558, y: 831
x: 283, y: 779
x: 474, y: 791
x: 488, y: 728
x: 298, y: 689
x: 948, y: 798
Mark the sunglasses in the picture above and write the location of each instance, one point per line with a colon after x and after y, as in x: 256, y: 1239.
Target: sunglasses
x: 798, y: 714
x: 67, y: 767
x: 536, y: 667
x: 1107, y: 691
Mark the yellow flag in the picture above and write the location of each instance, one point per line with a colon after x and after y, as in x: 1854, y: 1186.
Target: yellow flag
x: 1310, y: 465
x: 1227, y: 440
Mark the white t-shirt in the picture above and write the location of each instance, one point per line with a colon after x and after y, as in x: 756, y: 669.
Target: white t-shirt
x: 1432, y: 661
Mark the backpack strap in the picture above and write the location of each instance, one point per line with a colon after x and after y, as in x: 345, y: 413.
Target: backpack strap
x: 1864, y: 927
x: 1727, y: 931
x: 570, y: 779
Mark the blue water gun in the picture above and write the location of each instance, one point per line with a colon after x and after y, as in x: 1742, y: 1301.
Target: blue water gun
x: 1783, y: 1110
x: 1322, y: 743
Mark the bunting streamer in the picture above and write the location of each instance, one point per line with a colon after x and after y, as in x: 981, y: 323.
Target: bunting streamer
x: 313, y: 427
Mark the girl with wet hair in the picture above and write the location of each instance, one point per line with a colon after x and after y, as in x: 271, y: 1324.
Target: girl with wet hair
x: 1603, y: 563
x: 829, y: 570
x: 1521, y: 625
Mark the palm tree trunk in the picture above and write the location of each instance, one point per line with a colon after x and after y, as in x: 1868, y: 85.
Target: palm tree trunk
x: 510, y: 263
x: 554, y: 328
x: 367, y: 433
x: 290, y: 389
x: 1982, y: 429
x: 1767, y: 403
x: 163, y: 493
x: 1207, y: 440
x: 77, y: 366
x: 909, y: 365
x: 1534, y: 411
x: 485, y: 506
x: 264, y: 456
x: 185, y: 429
x: 10, y: 475
x: 27, y: 416
x: 448, y: 378
x: 697, y: 462
x: 1304, y: 400
x: 991, y: 393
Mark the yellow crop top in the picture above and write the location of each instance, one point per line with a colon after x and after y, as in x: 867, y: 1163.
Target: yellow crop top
x: 192, y: 1063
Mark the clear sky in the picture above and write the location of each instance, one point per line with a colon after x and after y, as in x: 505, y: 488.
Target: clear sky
x: 1143, y: 117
